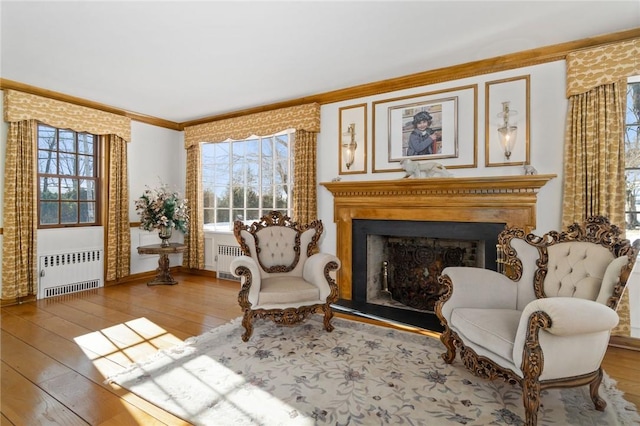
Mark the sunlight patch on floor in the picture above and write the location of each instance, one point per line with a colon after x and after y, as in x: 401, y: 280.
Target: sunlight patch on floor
x: 125, y: 343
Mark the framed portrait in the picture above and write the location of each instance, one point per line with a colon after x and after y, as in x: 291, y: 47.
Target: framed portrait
x: 352, y: 139
x: 439, y: 125
x: 424, y: 130
x: 507, y: 107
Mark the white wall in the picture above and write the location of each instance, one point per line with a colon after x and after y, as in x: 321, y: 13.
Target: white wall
x: 548, y: 107
x: 155, y: 155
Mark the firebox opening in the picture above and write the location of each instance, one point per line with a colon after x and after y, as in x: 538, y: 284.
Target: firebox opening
x: 405, y: 289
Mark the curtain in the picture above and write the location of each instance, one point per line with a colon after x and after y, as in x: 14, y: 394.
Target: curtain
x: 194, y: 255
x: 20, y: 213
x: 305, y: 205
x: 22, y: 111
x: 594, y: 177
x: 118, y: 240
x: 305, y: 119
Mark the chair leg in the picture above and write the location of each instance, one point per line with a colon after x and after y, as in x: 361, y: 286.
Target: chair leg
x: 594, y: 386
x: 248, y: 326
x: 447, y: 339
x: 531, y: 400
x: 328, y: 315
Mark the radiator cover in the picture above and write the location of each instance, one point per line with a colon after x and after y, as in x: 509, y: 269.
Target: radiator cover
x: 225, y: 255
x: 70, y: 272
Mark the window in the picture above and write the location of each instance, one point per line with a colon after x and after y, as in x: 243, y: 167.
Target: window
x: 246, y: 179
x: 67, y: 177
x: 632, y: 158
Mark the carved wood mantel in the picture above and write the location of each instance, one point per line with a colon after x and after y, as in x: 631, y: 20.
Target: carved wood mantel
x: 500, y: 199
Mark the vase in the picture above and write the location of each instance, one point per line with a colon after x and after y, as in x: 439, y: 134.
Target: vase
x: 165, y: 233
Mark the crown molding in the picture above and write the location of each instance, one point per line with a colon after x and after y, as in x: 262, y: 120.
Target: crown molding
x: 22, y: 87
x: 470, y: 69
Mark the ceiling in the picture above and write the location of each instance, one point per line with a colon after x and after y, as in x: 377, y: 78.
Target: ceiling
x: 185, y: 60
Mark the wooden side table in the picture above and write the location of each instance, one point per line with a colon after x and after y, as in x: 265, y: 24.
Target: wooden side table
x: 163, y: 276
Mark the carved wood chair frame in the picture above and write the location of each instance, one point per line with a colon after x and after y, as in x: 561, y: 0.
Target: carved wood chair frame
x: 597, y: 230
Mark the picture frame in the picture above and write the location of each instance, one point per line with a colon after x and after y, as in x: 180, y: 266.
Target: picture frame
x: 424, y: 130
x: 352, y: 119
x: 458, y: 107
x: 514, y: 91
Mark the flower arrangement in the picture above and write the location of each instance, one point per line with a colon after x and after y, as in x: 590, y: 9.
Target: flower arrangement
x: 162, y: 207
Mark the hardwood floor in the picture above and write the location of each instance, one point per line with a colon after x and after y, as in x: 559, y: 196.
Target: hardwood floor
x: 56, y: 353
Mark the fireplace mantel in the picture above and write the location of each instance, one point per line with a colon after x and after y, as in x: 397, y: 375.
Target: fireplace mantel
x: 501, y: 199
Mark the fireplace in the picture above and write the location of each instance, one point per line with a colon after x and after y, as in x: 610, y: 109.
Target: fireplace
x: 432, y: 204
x: 396, y: 264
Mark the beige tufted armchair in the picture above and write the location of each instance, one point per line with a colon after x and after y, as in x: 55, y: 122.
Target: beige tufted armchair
x: 545, y: 320
x: 284, y: 278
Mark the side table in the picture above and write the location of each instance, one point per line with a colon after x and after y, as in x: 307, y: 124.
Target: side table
x: 163, y: 276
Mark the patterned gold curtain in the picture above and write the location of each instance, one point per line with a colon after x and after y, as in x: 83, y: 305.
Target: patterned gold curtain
x: 305, y: 196
x: 118, y: 243
x: 20, y: 215
x: 594, y: 178
x: 194, y: 255
x: 305, y: 119
x: 20, y: 226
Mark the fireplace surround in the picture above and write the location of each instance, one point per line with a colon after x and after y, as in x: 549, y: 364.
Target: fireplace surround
x: 501, y: 200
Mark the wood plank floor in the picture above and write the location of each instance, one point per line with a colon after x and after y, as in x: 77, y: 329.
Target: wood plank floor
x: 56, y: 353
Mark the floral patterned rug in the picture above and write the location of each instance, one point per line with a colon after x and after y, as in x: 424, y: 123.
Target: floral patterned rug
x: 359, y: 374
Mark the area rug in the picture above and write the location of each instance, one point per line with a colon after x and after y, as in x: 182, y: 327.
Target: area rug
x: 359, y: 374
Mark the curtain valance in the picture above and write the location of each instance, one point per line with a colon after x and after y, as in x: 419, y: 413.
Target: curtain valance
x: 302, y: 117
x: 20, y: 106
x: 595, y: 67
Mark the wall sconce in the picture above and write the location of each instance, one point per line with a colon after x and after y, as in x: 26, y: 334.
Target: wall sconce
x: 349, y: 148
x: 507, y: 133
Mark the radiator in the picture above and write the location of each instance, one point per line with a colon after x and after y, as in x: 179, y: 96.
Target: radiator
x: 64, y: 273
x: 223, y: 259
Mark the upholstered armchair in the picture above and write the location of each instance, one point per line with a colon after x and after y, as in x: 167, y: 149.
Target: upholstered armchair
x: 283, y: 276
x: 545, y: 320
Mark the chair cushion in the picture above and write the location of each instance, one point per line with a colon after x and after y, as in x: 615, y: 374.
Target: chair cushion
x: 493, y: 329
x: 287, y: 289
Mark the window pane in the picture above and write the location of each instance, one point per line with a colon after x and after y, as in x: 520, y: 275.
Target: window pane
x: 48, y: 162
x: 67, y: 163
x: 87, y: 212
x: 47, y: 137
x: 49, y: 188
x: 48, y: 213
x: 68, y: 212
x: 281, y: 175
x: 281, y: 197
x: 267, y: 197
x: 85, y: 144
x: 222, y: 198
x: 85, y: 165
x: 69, y: 189
x: 253, y: 197
x: 209, y: 216
x: 208, y: 198
x: 66, y: 141
x: 222, y: 216
x: 238, y: 214
x: 252, y: 215
x: 88, y: 190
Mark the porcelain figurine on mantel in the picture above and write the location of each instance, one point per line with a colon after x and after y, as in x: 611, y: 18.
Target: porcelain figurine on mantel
x: 416, y: 170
